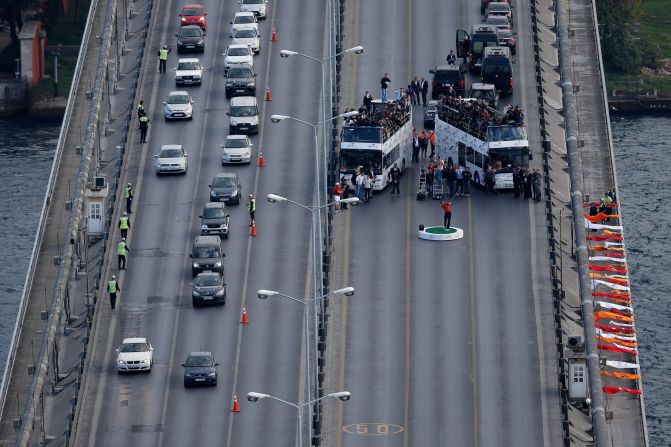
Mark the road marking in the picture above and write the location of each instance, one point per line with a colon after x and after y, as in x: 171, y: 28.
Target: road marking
x: 474, y: 349
x: 245, y: 282
x: 373, y: 429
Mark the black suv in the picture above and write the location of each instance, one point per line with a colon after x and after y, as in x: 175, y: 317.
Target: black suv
x: 240, y: 81
x: 190, y: 39
x: 446, y: 77
x: 497, y: 69
x: 215, y: 219
x: 207, y: 255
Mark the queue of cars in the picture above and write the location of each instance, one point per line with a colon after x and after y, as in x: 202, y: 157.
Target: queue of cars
x: 207, y: 251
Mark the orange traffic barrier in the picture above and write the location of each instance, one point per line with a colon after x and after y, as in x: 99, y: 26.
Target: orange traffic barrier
x: 244, y: 319
x: 252, y: 230
x: 269, y: 97
x: 236, y: 408
x: 274, y: 37
x: 262, y: 161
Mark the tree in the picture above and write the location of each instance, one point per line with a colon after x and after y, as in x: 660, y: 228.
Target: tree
x: 618, y: 20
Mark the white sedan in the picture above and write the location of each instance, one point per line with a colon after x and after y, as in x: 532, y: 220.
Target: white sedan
x: 178, y: 105
x: 244, y: 19
x: 238, y: 54
x: 249, y: 36
x: 188, y: 72
x: 236, y: 149
x: 134, y: 354
x: 258, y: 7
x: 171, y: 159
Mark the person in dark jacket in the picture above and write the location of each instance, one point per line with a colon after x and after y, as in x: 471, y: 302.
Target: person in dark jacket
x: 425, y: 90
x: 368, y: 101
x: 384, y: 84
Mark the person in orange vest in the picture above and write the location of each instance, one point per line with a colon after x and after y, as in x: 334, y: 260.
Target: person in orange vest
x: 447, y: 213
x: 423, y: 142
x: 432, y: 140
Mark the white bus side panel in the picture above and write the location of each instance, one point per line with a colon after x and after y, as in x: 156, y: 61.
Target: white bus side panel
x: 447, y: 146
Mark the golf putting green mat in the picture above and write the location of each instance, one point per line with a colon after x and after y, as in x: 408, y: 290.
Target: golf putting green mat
x: 440, y: 233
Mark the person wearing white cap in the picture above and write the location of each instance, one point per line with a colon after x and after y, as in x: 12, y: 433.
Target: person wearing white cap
x: 251, y: 207
x: 121, y: 250
x: 128, y: 195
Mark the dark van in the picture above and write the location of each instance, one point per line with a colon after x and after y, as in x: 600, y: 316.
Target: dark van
x: 497, y: 69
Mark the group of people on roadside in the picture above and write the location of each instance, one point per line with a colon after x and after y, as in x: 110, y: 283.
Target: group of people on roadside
x: 527, y: 183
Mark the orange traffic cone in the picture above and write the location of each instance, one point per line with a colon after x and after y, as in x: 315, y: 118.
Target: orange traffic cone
x: 269, y: 97
x: 236, y: 408
x: 252, y: 230
x: 262, y: 161
x: 243, y: 320
x: 274, y: 37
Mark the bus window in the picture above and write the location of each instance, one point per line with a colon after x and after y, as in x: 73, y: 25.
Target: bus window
x: 462, y: 154
x: 470, y: 155
x: 479, y: 162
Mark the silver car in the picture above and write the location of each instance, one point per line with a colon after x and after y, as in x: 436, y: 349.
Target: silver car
x: 178, y: 105
x: 171, y: 159
x: 247, y: 35
x: 236, y: 149
x: 238, y: 54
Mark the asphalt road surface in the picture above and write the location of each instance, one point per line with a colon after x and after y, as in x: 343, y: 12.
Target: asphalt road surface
x: 265, y: 356
x: 445, y: 343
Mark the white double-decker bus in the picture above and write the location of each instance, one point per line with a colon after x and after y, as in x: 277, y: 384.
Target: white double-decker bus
x: 377, y: 144
x: 501, y: 147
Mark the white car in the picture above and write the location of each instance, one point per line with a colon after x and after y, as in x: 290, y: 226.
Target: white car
x: 238, y: 54
x: 134, y: 354
x: 236, y: 149
x: 258, y: 7
x: 244, y: 18
x: 188, y: 72
x: 246, y: 35
x: 178, y: 105
x: 171, y: 159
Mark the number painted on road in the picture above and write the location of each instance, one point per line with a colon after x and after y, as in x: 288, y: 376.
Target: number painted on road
x: 372, y: 428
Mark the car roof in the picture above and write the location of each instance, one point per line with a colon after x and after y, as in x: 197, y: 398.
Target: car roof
x: 500, y: 5
x: 171, y: 146
x: 189, y: 59
x: 447, y: 68
x: 243, y: 101
x: 226, y: 175
x: 178, y: 92
x: 244, y: 13
x: 193, y: 5
x: 200, y: 354
x: 246, y: 27
x: 203, y: 274
x: 237, y: 45
x: 242, y: 65
x: 134, y: 340
x: 215, y: 205
x: 236, y: 137
x: 207, y: 240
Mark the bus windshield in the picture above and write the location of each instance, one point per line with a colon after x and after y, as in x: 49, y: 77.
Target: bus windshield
x: 362, y: 134
x: 507, y: 158
x: 350, y: 160
x: 506, y: 133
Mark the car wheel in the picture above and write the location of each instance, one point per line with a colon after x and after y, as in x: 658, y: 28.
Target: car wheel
x: 186, y: 384
x: 228, y: 95
x: 194, y: 303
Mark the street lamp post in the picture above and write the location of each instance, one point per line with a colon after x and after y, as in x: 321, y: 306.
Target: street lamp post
x: 342, y: 395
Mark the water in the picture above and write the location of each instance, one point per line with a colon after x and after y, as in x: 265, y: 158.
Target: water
x: 642, y: 163
x: 643, y: 159
x: 26, y: 154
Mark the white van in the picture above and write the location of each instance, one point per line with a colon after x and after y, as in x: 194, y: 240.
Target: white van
x: 244, y: 115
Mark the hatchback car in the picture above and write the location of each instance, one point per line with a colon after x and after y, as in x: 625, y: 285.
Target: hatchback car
x: 238, y: 54
x: 207, y: 254
x: 215, y: 219
x: 193, y: 15
x: 188, y: 72
x: 134, y: 354
x: 200, y: 368
x: 208, y: 288
x: 240, y: 81
x: 226, y: 187
x: 499, y: 9
x: 244, y: 18
x: 258, y: 7
x: 171, y: 159
x: 446, y: 77
x: 247, y: 35
x: 190, y: 39
x: 236, y: 149
x: 178, y: 105
x: 430, y: 114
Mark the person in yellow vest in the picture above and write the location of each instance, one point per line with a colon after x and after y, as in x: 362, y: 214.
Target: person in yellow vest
x: 113, y: 288
x: 124, y: 225
x: 163, y: 58
x: 251, y: 207
x: 121, y: 250
x: 128, y: 195
x: 144, y: 126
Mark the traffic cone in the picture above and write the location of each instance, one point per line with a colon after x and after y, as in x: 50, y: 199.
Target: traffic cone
x: 269, y: 97
x: 262, y: 161
x: 243, y: 320
x: 274, y: 37
x: 236, y: 407
x: 252, y: 230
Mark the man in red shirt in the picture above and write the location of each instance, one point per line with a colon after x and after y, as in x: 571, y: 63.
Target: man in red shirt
x: 447, y: 216
x: 337, y: 193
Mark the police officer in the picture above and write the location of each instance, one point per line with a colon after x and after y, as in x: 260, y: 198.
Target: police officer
x: 163, y: 58
x: 113, y: 288
x: 121, y: 250
x: 124, y: 225
x: 395, y: 180
x: 140, y: 109
x: 144, y: 126
x: 251, y: 207
x: 128, y: 195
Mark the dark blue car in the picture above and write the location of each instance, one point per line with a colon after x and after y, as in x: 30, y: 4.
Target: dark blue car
x: 200, y: 369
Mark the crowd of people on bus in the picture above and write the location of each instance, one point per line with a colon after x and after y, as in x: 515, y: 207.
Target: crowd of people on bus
x: 389, y: 118
x: 475, y: 116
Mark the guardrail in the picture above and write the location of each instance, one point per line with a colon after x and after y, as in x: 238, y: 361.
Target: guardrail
x: 27, y: 286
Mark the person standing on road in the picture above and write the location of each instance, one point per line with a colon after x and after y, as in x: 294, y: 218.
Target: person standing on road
x: 467, y: 182
x: 140, y: 109
x: 459, y: 173
x: 144, y: 126
x: 411, y: 92
x: 113, y: 288
x: 395, y: 180
x: 121, y: 250
x: 359, y: 184
x: 417, y: 89
x: 251, y: 208
x: 425, y: 90
x: 415, y: 148
x: 124, y: 225
x: 367, y: 185
x: 451, y: 58
x: 432, y: 140
x: 384, y: 84
x: 447, y: 214
x: 128, y: 195
x: 337, y: 194
x: 537, y: 185
x: 163, y: 58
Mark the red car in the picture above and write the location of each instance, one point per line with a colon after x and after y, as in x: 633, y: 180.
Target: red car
x: 193, y: 15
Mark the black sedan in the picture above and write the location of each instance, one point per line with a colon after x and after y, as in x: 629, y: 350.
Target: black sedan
x: 226, y: 187
x: 200, y: 369
x: 190, y: 39
x: 208, y: 288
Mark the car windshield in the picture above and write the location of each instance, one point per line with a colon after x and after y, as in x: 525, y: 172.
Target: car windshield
x: 170, y: 153
x: 451, y: 76
x: 496, y: 68
x: 243, y: 111
x: 244, y: 19
x: 224, y: 182
x: 192, y: 12
x: 498, y: 20
x: 191, y: 32
x: 482, y: 94
x: 245, y: 33
x: 188, y: 66
x: 505, y: 34
x: 236, y: 142
x: 214, y: 213
x: 199, y: 360
x: 207, y: 280
x: 252, y: 2
x: 242, y: 72
x: 134, y: 347
x: 206, y: 252
x: 479, y: 43
x: 178, y: 99
x: 239, y: 51
x: 352, y: 159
